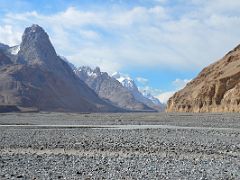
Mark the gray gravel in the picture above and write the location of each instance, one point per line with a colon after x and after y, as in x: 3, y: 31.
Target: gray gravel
x: 102, y: 153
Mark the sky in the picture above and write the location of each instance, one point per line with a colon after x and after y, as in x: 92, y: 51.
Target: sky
x: 161, y: 44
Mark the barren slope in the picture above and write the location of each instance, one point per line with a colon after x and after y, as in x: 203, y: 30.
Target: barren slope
x: 215, y: 89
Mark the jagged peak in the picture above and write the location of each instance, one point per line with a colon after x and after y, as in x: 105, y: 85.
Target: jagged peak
x: 35, y: 32
x: 125, y: 80
x: 89, y: 71
x: 34, y: 28
x: 85, y: 68
x: 97, y: 71
x: 36, y: 47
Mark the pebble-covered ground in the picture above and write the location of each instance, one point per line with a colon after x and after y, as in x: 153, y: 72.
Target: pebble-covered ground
x: 210, y: 152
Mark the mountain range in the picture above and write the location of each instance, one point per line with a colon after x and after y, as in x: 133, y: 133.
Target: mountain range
x: 33, y: 76
x: 119, y: 90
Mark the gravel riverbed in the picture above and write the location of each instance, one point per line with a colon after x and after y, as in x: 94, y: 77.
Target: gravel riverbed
x: 89, y: 152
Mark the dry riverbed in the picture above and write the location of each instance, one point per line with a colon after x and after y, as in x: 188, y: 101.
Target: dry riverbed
x: 119, y: 146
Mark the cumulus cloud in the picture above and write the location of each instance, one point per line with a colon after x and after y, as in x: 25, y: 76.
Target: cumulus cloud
x: 9, y: 36
x: 139, y: 36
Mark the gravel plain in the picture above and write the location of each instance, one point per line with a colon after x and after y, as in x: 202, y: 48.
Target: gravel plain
x: 188, y: 146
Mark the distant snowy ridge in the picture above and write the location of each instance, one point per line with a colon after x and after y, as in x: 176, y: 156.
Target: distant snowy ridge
x: 110, y: 89
x: 151, y: 97
x: 106, y: 87
x: 125, y: 80
x: 144, y: 97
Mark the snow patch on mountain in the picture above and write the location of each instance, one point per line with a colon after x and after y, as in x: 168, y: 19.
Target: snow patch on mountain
x: 151, y: 97
x: 125, y: 80
x: 144, y: 97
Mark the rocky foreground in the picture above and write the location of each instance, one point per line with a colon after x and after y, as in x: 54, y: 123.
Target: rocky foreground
x: 203, y: 146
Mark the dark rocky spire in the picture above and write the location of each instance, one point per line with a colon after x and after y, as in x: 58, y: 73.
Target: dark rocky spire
x: 36, y: 46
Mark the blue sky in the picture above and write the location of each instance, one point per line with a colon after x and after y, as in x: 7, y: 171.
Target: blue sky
x: 162, y: 44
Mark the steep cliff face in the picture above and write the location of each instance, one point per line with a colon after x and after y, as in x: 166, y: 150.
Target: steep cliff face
x: 215, y: 89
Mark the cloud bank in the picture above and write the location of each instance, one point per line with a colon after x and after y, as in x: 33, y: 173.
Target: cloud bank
x: 157, y: 36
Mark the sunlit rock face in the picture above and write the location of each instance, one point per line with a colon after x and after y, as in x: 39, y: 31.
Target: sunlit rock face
x: 215, y: 89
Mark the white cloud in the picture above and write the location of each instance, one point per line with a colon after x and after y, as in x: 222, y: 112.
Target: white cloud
x: 153, y: 91
x: 152, y: 37
x: 72, y: 37
x: 142, y: 80
x: 180, y: 83
x: 92, y: 57
x: 218, y: 6
x: 9, y: 36
x: 163, y: 97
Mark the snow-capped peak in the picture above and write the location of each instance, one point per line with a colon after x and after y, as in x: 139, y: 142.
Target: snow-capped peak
x: 129, y: 83
x: 125, y: 80
x: 148, y: 95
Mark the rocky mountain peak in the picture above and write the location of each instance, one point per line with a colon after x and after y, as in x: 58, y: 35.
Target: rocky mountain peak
x: 35, y: 35
x: 125, y: 80
x: 97, y: 70
x: 36, y: 46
